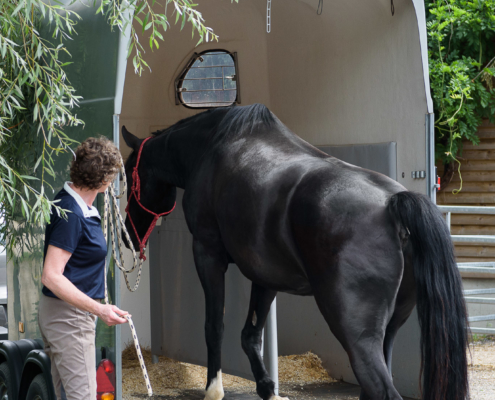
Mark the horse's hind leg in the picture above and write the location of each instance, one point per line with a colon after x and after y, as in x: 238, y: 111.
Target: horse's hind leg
x: 363, y: 343
x: 406, y: 300
x: 259, y: 306
x: 357, y: 305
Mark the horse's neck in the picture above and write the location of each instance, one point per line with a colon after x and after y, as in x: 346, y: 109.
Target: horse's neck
x: 178, y: 154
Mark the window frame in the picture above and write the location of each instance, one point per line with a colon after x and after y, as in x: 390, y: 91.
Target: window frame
x: 178, y: 97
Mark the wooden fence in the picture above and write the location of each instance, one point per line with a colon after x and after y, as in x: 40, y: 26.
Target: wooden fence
x: 478, y: 189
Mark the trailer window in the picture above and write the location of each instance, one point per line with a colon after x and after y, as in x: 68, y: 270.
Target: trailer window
x: 210, y: 79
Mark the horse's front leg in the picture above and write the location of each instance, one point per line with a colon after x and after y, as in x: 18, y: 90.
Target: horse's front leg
x: 211, y: 263
x: 259, y: 306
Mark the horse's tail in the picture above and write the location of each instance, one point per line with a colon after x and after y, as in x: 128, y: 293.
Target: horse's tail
x: 439, y: 298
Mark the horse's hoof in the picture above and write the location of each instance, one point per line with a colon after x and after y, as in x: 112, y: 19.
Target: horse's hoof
x: 215, y: 389
x: 278, y: 398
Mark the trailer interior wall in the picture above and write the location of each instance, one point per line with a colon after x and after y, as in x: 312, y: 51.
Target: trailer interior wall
x: 353, y: 75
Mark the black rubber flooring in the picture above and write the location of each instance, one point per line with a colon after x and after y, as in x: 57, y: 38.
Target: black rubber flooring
x: 328, y: 391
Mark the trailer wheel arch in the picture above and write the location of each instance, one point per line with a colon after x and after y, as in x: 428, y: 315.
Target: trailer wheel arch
x: 12, y: 355
x: 6, y: 387
x: 36, y: 363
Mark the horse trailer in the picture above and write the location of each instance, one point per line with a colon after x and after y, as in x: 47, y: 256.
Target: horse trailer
x: 350, y: 78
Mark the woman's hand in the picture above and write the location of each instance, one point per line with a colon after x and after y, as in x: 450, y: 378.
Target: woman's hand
x: 111, y: 315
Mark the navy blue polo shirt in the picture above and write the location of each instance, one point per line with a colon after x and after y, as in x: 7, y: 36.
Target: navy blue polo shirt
x: 81, y: 235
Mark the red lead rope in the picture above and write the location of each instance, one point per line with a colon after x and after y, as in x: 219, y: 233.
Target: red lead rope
x: 136, y: 192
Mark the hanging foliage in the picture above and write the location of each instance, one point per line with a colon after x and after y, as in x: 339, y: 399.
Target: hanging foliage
x: 462, y: 66
x: 153, y: 23
x: 37, y: 100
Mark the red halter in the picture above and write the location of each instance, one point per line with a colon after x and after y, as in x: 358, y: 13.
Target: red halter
x: 136, y: 192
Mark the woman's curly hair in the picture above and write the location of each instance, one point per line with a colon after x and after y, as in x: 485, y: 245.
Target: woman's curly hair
x: 97, y: 161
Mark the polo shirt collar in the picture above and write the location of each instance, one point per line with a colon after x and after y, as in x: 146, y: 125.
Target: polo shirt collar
x: 87, y: 212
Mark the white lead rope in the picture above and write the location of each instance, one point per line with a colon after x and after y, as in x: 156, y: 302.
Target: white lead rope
x: 110, y: 192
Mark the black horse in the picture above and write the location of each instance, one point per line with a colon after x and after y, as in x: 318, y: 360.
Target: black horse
x: 296, y: 220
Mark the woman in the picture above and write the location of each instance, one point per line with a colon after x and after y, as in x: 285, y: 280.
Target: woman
x: 73, y: 272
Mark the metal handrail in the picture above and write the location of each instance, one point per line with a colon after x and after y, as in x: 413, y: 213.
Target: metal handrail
x: 487, y: 239
x: 467, y: 209
x: 479, y: 291
x: 484, y: 271
x: 477, y: 264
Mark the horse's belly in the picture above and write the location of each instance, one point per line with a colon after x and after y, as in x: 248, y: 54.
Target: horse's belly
x: 280, y: 277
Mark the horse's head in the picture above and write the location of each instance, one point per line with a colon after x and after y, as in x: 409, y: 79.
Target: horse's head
x: 148, y: 192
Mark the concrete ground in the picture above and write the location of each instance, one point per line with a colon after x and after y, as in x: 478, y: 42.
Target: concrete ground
x: 327, y: 391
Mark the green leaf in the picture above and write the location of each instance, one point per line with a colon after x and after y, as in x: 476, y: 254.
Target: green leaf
x: 28, y: 177
x: 42, y: 7
x: 3, y: 49
x: 9, y: 198
x: 18, y: 8
x: 37, y: 163
x: 39, y: 51
x: 140, y: 7
x: 183, y: 21
x: 145, y: 21
x: 25, y: 208
x: 489, y: 71
x: 131, y: 45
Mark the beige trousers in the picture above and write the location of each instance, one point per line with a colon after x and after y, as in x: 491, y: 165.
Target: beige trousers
x: 69, y: 337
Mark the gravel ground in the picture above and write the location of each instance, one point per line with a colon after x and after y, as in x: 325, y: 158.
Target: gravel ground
x: 481, y: 378
x: 482, y: 370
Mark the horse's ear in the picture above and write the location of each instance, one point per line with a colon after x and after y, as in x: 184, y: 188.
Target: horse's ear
x: 131, y: 140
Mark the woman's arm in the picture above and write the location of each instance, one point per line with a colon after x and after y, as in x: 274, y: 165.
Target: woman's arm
x: 53, y: 279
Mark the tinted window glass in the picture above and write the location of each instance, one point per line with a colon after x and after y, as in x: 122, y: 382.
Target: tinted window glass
x: 210, y: 81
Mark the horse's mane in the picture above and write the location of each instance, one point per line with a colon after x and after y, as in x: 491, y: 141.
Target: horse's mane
x: 243, y: 119
x: 183, y: 123
x: 235, y: 120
